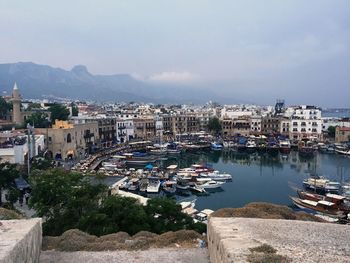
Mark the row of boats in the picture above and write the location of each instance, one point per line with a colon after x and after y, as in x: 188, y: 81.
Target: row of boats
x: 326, y: 199
x: 199, y: 178
x: 283, y: 145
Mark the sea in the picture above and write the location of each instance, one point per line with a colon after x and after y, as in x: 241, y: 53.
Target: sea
x: 261, y: 178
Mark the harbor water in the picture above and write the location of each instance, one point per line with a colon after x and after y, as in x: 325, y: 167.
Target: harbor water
x: 261, y: 178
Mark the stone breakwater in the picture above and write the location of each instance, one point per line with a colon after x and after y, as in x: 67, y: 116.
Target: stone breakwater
x: 229, y: 239
x: 20, y: 240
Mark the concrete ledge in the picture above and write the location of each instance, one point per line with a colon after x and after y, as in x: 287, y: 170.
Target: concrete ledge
x: 229, y: 239
x: 20, y: 240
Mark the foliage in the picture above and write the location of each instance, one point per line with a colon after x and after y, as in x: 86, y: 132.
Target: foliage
x: 331, y: 131
x: 34, y: 106
x: 214, y: 125
x: 39, y: 120
x: 63, y: 198
x: 8, y: 174
x: 70, y: 200
x: 59, y: 112
x: 40, y: 163
x: 4, y: 107
x: 75, y: 110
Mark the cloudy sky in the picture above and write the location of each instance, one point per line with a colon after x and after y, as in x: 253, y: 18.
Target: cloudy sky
x: 250, y: 50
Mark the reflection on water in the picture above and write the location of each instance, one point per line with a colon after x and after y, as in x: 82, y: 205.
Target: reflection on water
x: 261, y: 177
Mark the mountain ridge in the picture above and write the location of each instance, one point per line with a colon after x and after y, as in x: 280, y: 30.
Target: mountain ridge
x: 35, y: 80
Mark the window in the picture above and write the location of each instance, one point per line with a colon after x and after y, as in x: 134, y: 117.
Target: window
x: 69, y: 138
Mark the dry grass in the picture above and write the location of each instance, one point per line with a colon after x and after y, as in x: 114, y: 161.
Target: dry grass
x: 7, y: 214
x: 266, y: 211
x: 265, y: 254
x: 76, y: 240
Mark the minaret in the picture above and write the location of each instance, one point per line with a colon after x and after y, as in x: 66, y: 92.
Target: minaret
x: 16, y: 104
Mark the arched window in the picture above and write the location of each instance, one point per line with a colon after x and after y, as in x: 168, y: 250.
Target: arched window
x: 69, y: 138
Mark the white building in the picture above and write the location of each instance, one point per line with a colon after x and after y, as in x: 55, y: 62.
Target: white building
x: 330, y: 121
x: 306, y: 123
x: 125, y: 130
x: 14, y: 148
x: 255, y: 124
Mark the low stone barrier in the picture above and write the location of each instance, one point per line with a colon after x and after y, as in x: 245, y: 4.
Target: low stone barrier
x: 20, y: 240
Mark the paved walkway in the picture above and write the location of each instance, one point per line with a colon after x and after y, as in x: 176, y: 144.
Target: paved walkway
x: 179, y: 255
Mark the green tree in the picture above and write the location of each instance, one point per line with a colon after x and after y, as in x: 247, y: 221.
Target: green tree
x: 4, y: 107
x: 34, y: 106
x: 331, y: 131
x: 165, y: 215
x: 59, y: 112
x: 63, y: 198
x: 214, y: 125
x: 7, y: 177
x: 39, y: 120
x: 75, y: 110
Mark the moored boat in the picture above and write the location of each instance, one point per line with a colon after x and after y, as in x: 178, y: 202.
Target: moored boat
x: 210, y: 185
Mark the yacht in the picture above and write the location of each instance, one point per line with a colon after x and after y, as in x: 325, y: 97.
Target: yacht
x: 211, y: 185
x: 153, y: 186
x: 217, y: 176
x: 250, y: 145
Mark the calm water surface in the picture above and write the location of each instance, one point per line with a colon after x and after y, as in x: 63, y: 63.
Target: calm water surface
x: 262, y: 178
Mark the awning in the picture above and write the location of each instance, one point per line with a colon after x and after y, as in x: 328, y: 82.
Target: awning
x: 21, y: 183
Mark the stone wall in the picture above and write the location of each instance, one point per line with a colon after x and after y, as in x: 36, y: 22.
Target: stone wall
x: 20, y: 240
x: 229, y: 239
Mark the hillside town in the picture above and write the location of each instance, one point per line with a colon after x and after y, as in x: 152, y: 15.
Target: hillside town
x: 95, y: 127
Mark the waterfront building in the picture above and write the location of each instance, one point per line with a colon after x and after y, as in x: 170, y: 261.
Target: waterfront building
x: 107, y: 132
x: 306, y: 123
x: 238, y: 126
x: 144, y: 128
x: 255, y: 124
x: 342, y: 134
x: 125, y: 130
x: 271, y: 124
x: 70, y: 140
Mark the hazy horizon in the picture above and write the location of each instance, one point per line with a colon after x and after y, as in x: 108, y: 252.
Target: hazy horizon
x: 250, y: 50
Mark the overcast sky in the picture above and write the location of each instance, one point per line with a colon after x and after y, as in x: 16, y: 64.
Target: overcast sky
x: 256, y: 50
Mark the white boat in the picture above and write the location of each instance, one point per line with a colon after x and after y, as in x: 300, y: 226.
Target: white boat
x: 153, y: 186
x: 217, y: 176
x: 210, y: 185
x: 109, y: 166
x: 250, y: 145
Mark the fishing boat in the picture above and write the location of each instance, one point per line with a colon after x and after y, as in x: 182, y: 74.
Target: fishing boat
x: 134, y: 184
x: 169, y: 187
x: 143, y: 185
x: 340, y: 201
x: 182, y: 184
x: 153, y: 185
x: 284, y: 146
x: 272, y: 147
x: 250, y: 145
x: 138, y: 159
x: 323, y: 207
x: 321, y: 184
x: 216, y: 146
x: 197, y: 190
x: 210, y: 185
x: 306, y: 149
x: 242, y: 144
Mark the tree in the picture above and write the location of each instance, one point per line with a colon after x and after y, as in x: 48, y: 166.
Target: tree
x: 214, y: 125
x: 34, y: 106
x: 331, y: 131
x: 75, y: 110
x: 39, y: 120
x: 63, y: 198
x: 4, y: 107
x: 7, y: 178
x: 59, y: 112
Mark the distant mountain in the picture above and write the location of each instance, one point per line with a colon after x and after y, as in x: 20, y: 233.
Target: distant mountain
x: 35, y: 80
